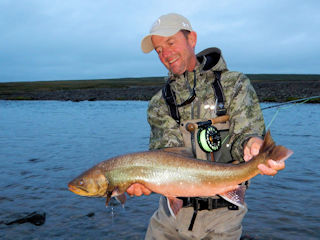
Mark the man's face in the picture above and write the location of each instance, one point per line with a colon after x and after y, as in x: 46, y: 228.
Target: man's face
x: 176, y: 52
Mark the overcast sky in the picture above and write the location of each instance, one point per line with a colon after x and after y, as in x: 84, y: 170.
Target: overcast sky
x: 88, y: 39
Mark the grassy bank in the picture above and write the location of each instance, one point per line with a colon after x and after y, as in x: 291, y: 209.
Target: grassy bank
x: 269, y: 87
x: 11, y: 87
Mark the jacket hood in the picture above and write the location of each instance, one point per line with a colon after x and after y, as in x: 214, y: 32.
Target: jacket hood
x: 211, y: 58
x: 208, y: 59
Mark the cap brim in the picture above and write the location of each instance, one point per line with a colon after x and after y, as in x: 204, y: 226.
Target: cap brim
x: 146, y: 43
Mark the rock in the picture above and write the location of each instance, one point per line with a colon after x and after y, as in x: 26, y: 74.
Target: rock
x: 36, y: 218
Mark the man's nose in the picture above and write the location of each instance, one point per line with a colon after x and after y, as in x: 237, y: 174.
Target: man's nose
x: 166, y: 53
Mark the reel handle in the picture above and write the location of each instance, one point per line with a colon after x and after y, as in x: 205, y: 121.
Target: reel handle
x: 220, y: 119
x: 191, y: 127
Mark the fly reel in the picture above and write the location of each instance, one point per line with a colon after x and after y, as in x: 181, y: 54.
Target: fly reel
x: 209, y: 139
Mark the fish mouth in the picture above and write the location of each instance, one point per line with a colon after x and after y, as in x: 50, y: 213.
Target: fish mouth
x: 78, y: 190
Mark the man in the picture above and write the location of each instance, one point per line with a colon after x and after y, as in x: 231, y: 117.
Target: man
x: 200, y: 87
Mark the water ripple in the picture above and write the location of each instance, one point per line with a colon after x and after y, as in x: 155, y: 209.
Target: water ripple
x: 50, y: 142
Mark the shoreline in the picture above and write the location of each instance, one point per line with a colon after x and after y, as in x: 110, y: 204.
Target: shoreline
x: 269, y: 88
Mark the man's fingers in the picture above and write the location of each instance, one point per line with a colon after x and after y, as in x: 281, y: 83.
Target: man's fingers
x: 266, y: 170
x: 134, y: 189
x: 247, y: 156
x: 276, y: 165
x: 131, y: 190
x: 255, y: 147
x: 146, y: 191
x: 137, y: 189
x: 252, y: 148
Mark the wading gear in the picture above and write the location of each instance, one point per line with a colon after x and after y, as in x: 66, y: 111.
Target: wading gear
x: 217, y: 92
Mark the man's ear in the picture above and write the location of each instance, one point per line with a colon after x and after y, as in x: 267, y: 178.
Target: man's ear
x: 192, y: 39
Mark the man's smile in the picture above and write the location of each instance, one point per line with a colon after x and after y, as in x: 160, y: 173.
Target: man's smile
x: 173, y: 60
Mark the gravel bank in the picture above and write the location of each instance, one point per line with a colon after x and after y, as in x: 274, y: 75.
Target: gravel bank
x: 273, y: 91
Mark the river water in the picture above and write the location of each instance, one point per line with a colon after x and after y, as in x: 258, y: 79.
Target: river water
x: 45, y: 144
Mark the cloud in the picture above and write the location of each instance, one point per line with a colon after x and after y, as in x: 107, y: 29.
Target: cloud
x: 51, y: 40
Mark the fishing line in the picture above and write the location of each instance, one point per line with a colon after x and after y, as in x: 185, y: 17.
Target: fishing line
x: 297, y: 101
x: 293, y: 101
x: 224, y: 139
x: 278, y: 106
x: 273, y: 118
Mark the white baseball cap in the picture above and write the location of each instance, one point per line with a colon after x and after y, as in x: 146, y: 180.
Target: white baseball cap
x: 166, y: 25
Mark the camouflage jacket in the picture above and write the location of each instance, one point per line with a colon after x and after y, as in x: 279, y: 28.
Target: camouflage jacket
x: 242, y: 104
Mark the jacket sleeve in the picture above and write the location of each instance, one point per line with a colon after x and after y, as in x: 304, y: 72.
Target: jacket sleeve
x: 164, y: 129
x: 246, y: 118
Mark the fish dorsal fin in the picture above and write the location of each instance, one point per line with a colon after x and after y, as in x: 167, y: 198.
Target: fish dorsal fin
x: 235, y: 196
x: 183, y: 151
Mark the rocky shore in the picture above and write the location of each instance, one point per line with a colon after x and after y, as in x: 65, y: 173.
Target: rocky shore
x: 267, y: 91
x: 287, y: 90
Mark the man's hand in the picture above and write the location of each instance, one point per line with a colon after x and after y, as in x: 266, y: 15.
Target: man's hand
x: 252, y: 149
x: 138, y: 189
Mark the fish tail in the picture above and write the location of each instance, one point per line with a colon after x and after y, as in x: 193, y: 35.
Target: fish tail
x: 277, y: 153
x: 280, y: 153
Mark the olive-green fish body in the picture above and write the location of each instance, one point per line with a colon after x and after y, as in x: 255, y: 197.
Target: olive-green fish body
x: 172, y: 175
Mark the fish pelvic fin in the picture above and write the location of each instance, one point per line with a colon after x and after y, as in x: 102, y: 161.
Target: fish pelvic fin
x: 174, y: 205
x: 235, y: 196
x: 121, y: 199
x: 277, y: 153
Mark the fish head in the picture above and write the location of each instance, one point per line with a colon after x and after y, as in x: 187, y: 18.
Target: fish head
x: 91, y: 183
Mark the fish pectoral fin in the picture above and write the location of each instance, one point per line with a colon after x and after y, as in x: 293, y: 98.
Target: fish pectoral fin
x: 121, y: 199
x: 118, y: 194
x: 235, y: 196
x: 108, y: 194
x: 174, y: 205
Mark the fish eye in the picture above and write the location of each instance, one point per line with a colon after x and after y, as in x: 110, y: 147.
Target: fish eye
x: 81, y: 182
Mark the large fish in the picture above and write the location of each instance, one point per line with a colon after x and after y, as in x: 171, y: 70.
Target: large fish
x: 174, y: 175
